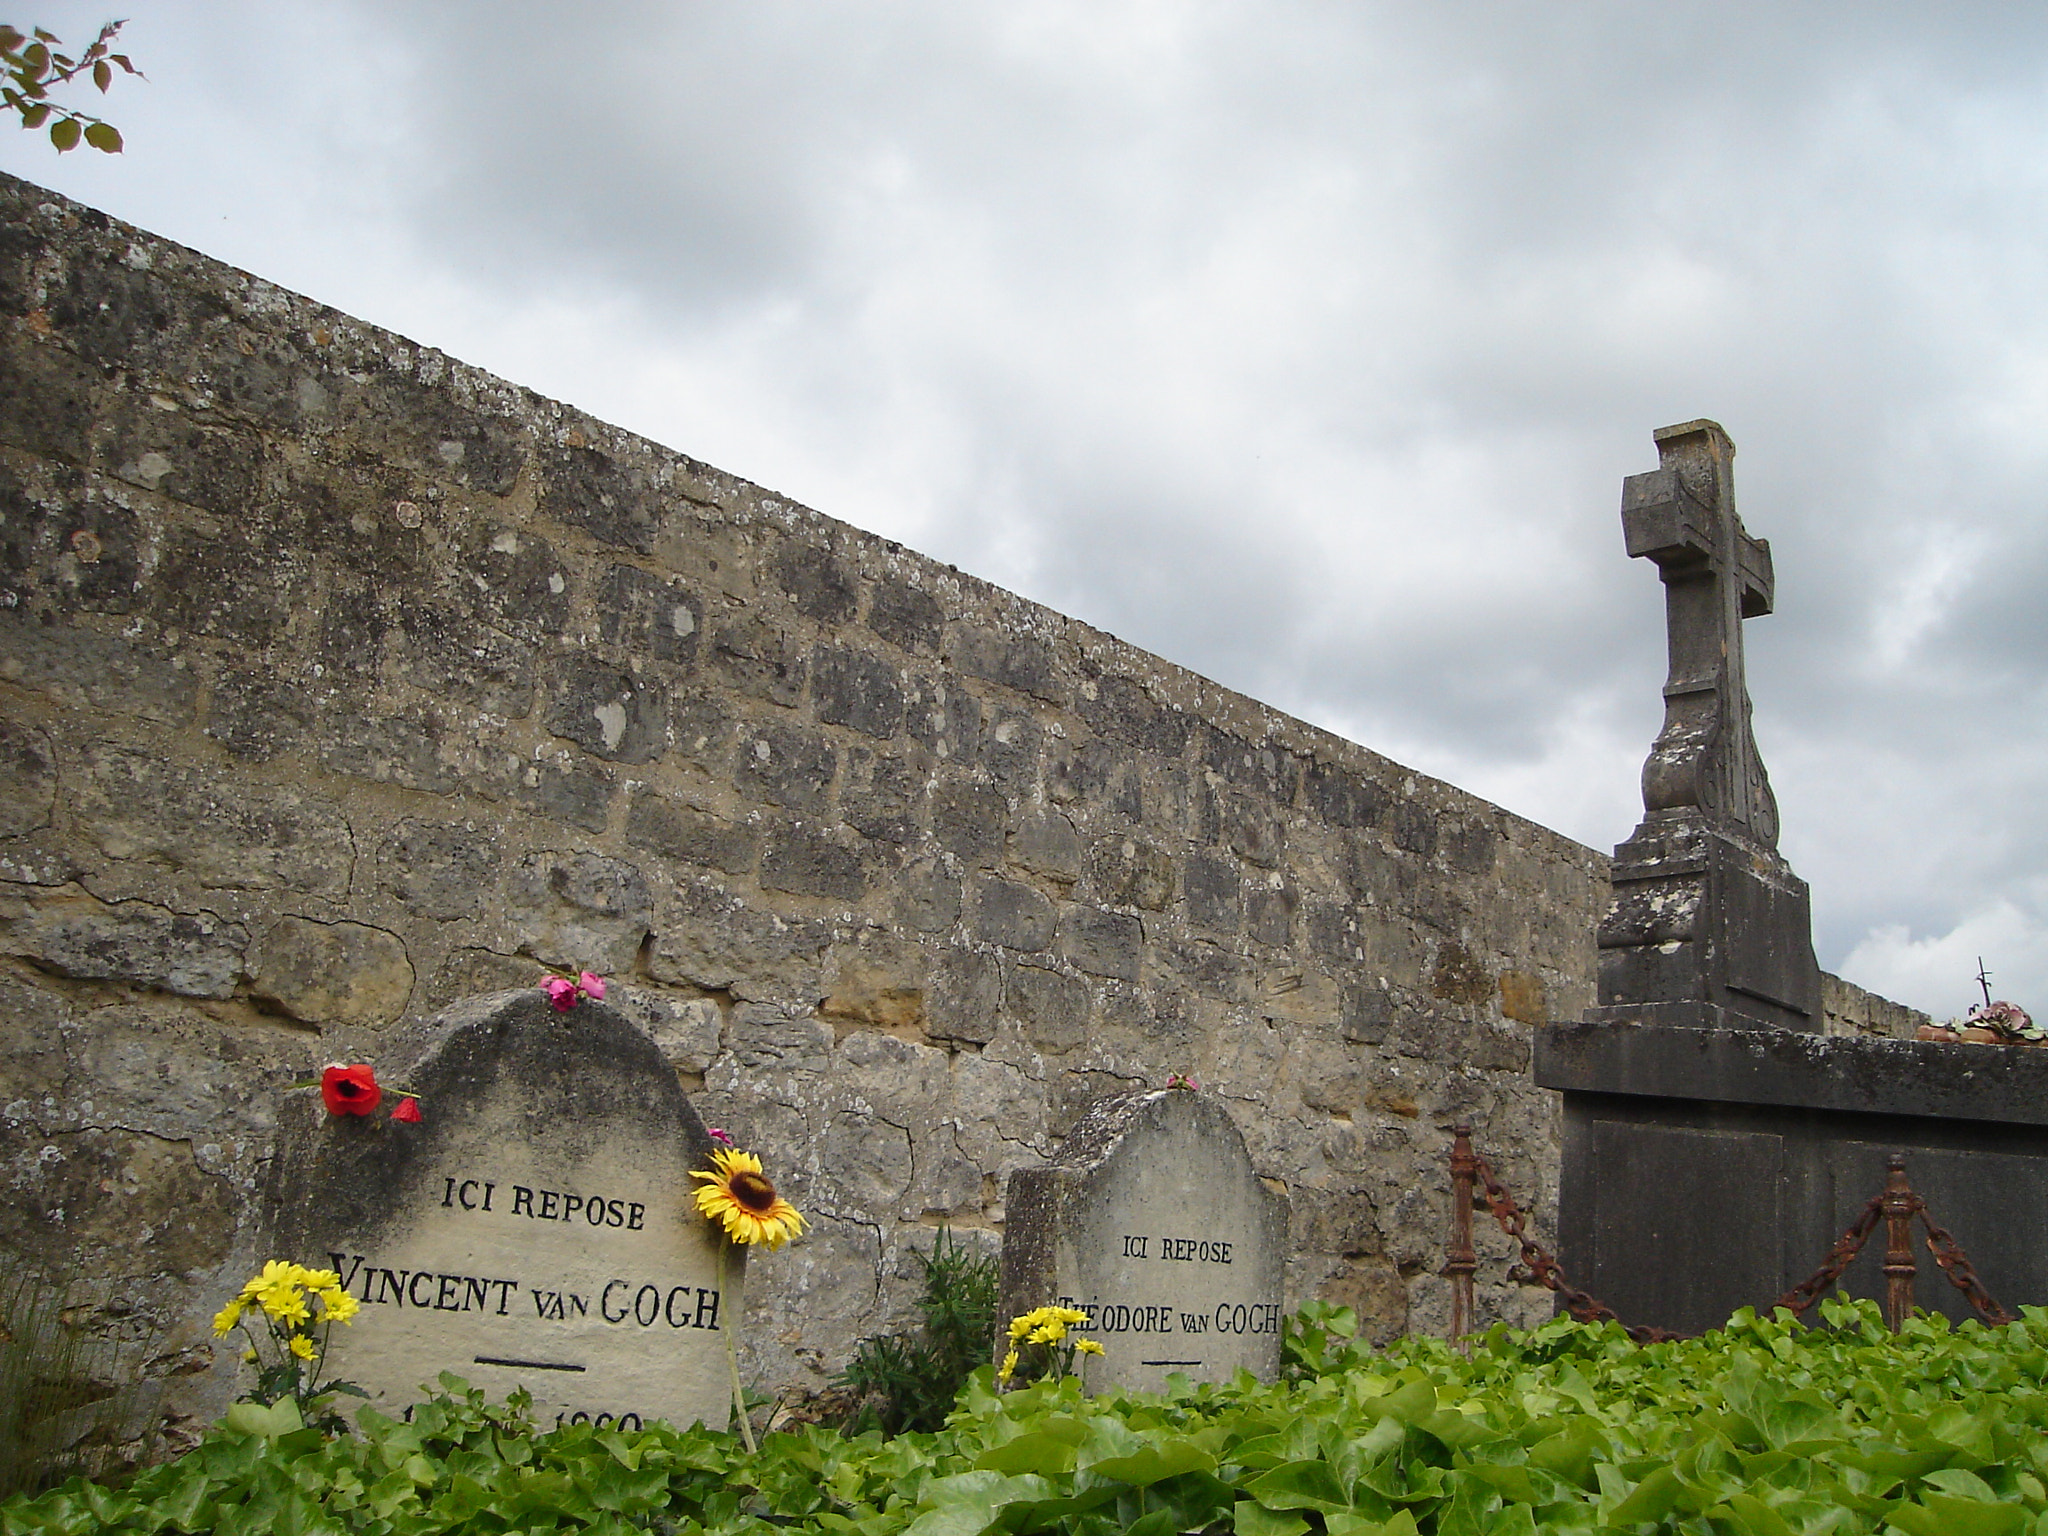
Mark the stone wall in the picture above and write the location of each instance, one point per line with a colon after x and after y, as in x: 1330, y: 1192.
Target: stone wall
x: 1846, y: 1009
x: 339, y: 681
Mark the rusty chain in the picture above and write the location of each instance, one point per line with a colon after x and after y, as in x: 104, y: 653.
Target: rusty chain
x: 1840, y: 1257
x: 1955, y: 1264
x: 1582, y: 1305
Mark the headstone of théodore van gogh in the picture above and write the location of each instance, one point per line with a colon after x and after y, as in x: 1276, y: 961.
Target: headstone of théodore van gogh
x: 1151, y: 1220
x: 535, y: 1228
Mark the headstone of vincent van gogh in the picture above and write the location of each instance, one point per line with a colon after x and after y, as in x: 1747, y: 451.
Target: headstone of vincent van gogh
x: 1151, y: 1220
x: 535, y: 1228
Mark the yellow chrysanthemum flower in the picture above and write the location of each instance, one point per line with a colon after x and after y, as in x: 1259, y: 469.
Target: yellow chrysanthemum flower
x: 320, y: 1280
x: 1009, y: 1368
x: 739, y: 1196
x: 337, y: 1306
x: 1087, y: 1347
x: 285, y: 1303
x: 225, y: 1319
x: 302, y: 1346
x: 275, y: 1273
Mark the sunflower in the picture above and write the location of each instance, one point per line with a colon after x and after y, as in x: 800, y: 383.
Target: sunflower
x: 739, y: 1195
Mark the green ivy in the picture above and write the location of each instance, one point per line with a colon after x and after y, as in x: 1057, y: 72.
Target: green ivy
x: 1765, y: 1428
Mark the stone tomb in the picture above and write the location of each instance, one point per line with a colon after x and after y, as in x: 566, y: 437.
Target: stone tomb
x: 1151, y: 1220
x: 535, y: 1229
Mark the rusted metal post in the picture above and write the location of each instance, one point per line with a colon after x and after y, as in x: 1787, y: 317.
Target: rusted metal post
x: 1899, y: 1208
x: 1460, y: 1260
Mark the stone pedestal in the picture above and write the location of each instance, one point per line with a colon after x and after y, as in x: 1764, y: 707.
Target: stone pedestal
x: 1707, y: 929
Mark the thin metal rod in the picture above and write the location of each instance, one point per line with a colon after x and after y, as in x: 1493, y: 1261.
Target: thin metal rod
x: 1461, y: 1260
x: 1900, y: 1206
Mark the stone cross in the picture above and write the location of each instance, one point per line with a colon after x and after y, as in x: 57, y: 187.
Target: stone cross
x: 1683, y: 517
x: 1708, y: 926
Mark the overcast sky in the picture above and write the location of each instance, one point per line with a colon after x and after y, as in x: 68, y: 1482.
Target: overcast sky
x: 1304, y: 343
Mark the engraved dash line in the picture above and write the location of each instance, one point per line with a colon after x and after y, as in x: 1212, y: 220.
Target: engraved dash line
x: 526, y: 1365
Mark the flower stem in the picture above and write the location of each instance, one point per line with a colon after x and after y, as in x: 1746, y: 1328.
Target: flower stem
x: 736, y: 1305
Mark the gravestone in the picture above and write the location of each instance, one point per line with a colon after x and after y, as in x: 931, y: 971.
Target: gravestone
x: 1151, y: 1220
x: 1708, y: 926
x: 535, y: 1228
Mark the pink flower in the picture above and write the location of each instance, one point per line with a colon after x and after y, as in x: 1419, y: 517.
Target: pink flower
x: 719, y: 1136
x: 408, y: 1111
x: 565, y: 992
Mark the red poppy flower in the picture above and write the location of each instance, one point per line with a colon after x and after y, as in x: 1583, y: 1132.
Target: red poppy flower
x: 408, y: 1110
x: 350, y: 1090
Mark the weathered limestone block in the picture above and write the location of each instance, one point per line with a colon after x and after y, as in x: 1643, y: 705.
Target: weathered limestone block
x: 968, y: 821
x: 882, y: 990
x: 945, y: 718
x: 882, y: 796
x: 1015, y: 661
x: 437, y: 869
x: 785, y: 766
x: 681, y: 832
x: 853, y: 689
x: 761, y: 1038
x: 966, y: 993
x: 160, y: 1070
x: 112, y: 1202
x: 521, y: 583
x: 804, y: 859
x: 708, y: 938
x: 607, y: 711
x: 1012, y: 915
x: 1011, y: 752
x: 449, y: 654
x: 195, y: 954
x: 648, y: 615
x: 1101, y: 943
x: 28, y: 778
x: 87, y: 670
x: 1051, y: 1008
x: 138, y: 806
x: 907, y: 618
x: 1046, y: 843
x: 1129, y: 872
x: 579, y: 910
x: 331, y: 973
x: 816, y: 582
x: 758, y: 661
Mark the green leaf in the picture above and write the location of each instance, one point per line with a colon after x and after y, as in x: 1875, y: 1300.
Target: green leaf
x: 1300, y: 1485
x: 1652, y: 1499
x: 1946, y: 1515
x: 1753, y: 1517
x: 1048, y: 1454
x: 1155, y: 1463
x: 64, y: 133
x: 1250, y: 1519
